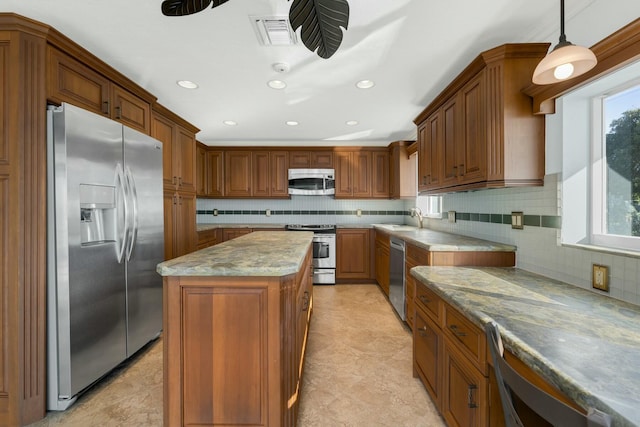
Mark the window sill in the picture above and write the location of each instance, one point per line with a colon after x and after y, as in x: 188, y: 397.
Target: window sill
x: 604, y: 250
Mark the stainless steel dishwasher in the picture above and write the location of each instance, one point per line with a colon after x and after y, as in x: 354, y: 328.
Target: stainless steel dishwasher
x: 396, y: 276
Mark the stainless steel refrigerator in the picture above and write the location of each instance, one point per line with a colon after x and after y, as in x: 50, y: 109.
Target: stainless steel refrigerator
x: 105, y: 238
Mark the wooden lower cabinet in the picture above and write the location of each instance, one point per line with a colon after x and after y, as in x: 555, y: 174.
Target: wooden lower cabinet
x: 234, y: 348
x: 353, y: 254
x: 232, y: 233
x: 180, y: 236
x: 382, y: 261
x: 428, y: 348
x: 210, y: 237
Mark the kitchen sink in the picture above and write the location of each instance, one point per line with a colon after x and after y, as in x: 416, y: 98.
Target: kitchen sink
x: 400, y: 227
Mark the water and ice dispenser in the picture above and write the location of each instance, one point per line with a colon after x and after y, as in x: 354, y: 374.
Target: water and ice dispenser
x: 97, y: 214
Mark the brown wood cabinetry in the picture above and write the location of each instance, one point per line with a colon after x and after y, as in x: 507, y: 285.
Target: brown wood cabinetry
x: 428, y: 350
x: 209, y: 172
x: 69, y: 80
x: 201, y: 180
x: 480, y: 132
x: 321, y: 159
x: 237, y: 177
x: 180, y: 235
x: 382, y: 261
x: 353, y: 253
x: 270, y: 174
x: 232, y: 233
x: 402, y: 171
x: 362, y: 174
x: 414, y: 256
x: 209, y: 237
x: 246, y: 336
x: 380, y: 175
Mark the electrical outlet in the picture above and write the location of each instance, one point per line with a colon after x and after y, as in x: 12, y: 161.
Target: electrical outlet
x: 517, y: 220
x: 452, y: 216
x: 267, y: 212
x: 600, y: 277
x: 215, y: 212
x: 359, y: 212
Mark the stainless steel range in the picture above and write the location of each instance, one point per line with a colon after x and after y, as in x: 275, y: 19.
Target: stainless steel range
x: 324, y: 251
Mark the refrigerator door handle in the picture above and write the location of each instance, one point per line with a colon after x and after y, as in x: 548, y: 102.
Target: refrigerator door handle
x: 122, y: 213
x: 133, y: 195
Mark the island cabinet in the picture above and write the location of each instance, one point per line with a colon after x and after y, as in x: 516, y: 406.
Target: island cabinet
x: 414, y: 256
x: 234, y: 345
x: 72, y: 80
x: 450, y: 358
x: 320, y: 159
x: 382, y: 255
x: 480, y: 132
x: 353, y: 254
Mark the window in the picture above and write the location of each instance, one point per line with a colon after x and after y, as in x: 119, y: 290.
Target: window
x: 431, y: 206
x: 615, y: 174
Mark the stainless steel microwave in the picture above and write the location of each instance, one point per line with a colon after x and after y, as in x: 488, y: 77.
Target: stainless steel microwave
x: 312, y: 182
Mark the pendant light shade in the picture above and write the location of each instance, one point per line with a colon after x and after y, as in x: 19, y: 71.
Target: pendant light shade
x: 565, y: 61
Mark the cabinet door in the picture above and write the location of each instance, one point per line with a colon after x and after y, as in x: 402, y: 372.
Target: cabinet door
x: 185, y: 237
x: 450, y: 143
x: 215, y: 173
x: 279, y: 174
x: 353, y: 254
x: 426, y: 152
x: 162, y: 129
x: 201, y: 171
x: 261, y: 174
x: 343, y: 175
x: 472, y: 166
x: 434, y: 158
x: 361, y: 174
x: 321, y: 159
x: 130, y: 110
x: 70, y: 81
x: 232, y: 233
x: 170, y: 200
x: 237, y: 174
x: 186, y: 151
x: 380, y: 175
x: 428, y: 354
x: 299, y: 159
x: 464, y: 401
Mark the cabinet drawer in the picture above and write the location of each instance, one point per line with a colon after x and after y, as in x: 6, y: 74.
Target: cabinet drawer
x: 431, y: 303
x: 467, y: 336
x: 417, y: 255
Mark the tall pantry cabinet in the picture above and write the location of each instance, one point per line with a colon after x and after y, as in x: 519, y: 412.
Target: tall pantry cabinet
x: 39, y: 65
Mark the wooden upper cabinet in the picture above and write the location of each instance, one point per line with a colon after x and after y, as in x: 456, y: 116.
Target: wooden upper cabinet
x: 237, y: 174
x: 270, y: 174
x: 69, y: 80
x: 279, y: 174
x: 214, y: 166
x: 402, y: 171
x: 130, y: 110
x: 362, y: 174
x: 178, y: 153
x: 354, y: 177
x: 201, y: 179
x: 380, y: 175
x: 261, y: 174
x: 481, y: 130
x: 322, y: 159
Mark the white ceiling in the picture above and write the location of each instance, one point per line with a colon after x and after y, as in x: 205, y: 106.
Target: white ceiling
x: 411, y: 48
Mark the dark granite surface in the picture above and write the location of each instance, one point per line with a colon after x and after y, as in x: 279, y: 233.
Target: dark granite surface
x: 584, y: 343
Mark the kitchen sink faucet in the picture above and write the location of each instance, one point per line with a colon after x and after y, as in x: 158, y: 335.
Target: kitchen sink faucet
x: 417, y: 212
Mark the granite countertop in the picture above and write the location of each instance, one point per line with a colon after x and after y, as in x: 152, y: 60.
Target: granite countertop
x: 586, y: 344
x: 438, y: 241
x: 205, y: 227
x: 261, y: 253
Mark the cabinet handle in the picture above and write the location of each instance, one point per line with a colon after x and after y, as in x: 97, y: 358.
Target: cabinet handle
x: 180, y: 181
x: 456, y: 332
x: 118, y: 112
x: 175, y: 200
x: 462, y: 169
x: 424, y: 299
x: 423, y: 331
x: 180, y: 200
x: 175, y: 180
x: 470, y: 400
x: 105, y: 107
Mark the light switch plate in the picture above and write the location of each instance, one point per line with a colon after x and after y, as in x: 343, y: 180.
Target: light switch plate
x: 215, y: 212
x: 600, y: 277
x: 359, y: 212
x: 267, y: 212
x: 517, y: 220
x: 452, y: 216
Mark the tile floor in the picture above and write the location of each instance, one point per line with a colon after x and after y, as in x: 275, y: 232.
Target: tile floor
x: 358, y: 373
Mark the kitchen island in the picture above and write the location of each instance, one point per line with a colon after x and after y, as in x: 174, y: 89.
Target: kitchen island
x: 584, y: 344
x: 235, y: 321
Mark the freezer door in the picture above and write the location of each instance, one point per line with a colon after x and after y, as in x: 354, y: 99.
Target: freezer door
x: 145, y: 249
x: 87, y: 286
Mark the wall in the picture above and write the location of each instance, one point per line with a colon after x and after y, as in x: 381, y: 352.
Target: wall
x: 300, y: 210
x: 538, y: 248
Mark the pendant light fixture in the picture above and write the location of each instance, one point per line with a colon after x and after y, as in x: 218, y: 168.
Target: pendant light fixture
x: 565, y: 61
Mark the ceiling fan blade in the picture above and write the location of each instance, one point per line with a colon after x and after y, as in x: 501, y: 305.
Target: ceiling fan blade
x: 187, y: 7
x: 320, y: 21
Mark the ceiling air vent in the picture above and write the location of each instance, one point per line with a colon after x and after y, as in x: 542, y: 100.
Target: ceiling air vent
x: 273, y: 30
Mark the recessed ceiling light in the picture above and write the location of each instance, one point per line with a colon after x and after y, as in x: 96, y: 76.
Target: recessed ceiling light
x: 276, y: 84
x: 292, y: 123
x: 365, y: 84
x: 230, y: 123
x: 187, y: 84
x: 352, y: 122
